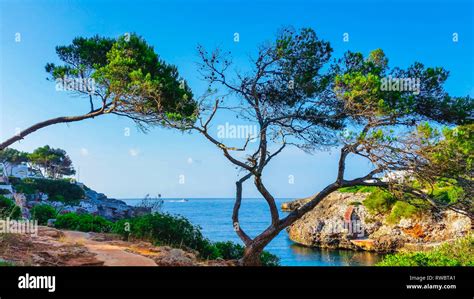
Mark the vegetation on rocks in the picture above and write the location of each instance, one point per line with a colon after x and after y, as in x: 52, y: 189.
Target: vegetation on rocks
x: 57, y: 190
x: 177, y: 231
x: 42, y: 213
x: 379, y: 201
x: 401, y: 210
x: 8, y: 209
x: 164, y: 229
x: 382, y: 202
x: 358, y: 189
x: 83, y: 222
x: 405, y: 226
x: 457, y: 253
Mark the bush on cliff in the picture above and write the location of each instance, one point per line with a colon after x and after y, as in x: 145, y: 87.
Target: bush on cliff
x: 57, y: 190
x: 422, y: 259
x: 447, y: 192
x: 165, y: 229
x: 42, y: 213
x: 401, y: 210
x: 83, y: 222
x: 457, y: 253
x: 379, y: 201
x: 358, y: 189
x: 8, y: 209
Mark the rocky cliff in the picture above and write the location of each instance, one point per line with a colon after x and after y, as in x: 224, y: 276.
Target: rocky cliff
x: 93, y: 203
x: 342, y: 221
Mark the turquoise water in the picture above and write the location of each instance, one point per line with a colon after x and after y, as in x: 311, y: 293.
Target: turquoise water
x: 214, y: 217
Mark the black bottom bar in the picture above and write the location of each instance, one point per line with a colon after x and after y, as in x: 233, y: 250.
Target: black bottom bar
x: 290, y: 282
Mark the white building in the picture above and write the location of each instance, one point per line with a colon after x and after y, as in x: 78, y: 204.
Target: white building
x: 18, y: 170
x: 398, y: 176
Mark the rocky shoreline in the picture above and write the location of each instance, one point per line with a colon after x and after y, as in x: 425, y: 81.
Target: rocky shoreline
x: 342, y: 221
x: 93, y: 203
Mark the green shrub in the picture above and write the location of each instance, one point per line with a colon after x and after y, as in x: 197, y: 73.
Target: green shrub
x: 166, y: 229
x: 6, y: 263
x: 83, y: 222
x: 418, y: 259
x: 401, y: 210
x: 447, y: 194
x: 177, y: 231
x: 161, y: 229
x: 57, y: 190
x: 8, y: 209
x: 232, y: 251
x: 58, y: 197
x: 461, y: 250
x: 42, y: 213
x: 379, y: 201
x: 444, y: 190
x: 457, y: 253
x: 229, y: 250
x: 358, y: 189
x: 269, y: 259
x: 22, y: 186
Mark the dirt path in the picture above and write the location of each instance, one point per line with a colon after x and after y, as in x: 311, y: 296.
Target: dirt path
x: 111, y: 255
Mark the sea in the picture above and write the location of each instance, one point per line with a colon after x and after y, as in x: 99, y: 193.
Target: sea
x: 213, y: 215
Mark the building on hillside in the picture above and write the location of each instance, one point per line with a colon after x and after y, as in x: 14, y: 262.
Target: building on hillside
x: 20, y: 170
x: 5, y: 188
x: 399, y: 176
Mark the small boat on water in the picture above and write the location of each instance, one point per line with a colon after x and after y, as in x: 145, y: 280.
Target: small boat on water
x: 177, y: 200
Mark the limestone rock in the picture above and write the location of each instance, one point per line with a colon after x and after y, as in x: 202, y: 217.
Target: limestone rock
x: 341, y: 221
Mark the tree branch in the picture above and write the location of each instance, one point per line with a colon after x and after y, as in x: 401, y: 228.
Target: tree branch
x: 49, y: 122
x: 235, y: 213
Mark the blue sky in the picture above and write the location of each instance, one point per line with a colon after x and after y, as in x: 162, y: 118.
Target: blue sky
x: 132, y: 166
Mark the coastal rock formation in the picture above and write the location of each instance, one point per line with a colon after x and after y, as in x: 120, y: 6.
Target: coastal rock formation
x: 94, y: 203
x: 293, y: 205
x: 342, y: 221
x: 109, y: 208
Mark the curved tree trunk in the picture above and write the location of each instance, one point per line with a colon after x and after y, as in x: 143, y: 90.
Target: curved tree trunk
x: 49, y: 122
x: 254, y: 249
x: 252, y: 256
